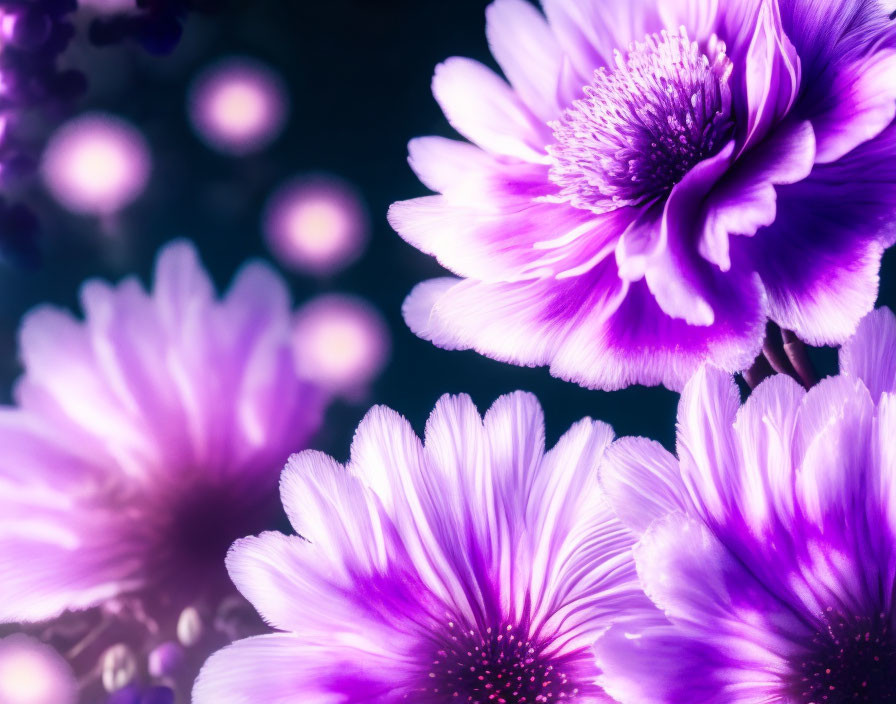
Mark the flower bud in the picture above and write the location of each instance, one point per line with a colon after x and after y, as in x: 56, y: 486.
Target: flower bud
x: 166, y: 659
x: 118, y: 666
x: 189, y: 627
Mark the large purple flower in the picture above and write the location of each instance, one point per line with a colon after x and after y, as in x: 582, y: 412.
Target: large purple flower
x: 658, y: 179
x: 471, y: 567
x: 145, y: 440
x: 769, y: 545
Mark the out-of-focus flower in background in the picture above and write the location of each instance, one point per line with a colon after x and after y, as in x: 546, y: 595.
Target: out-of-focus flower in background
x: 144, y: 440
x: 341, y: 343
x: 238, y: 106
x: 34, y: 673
x: 96, y: 164
x: 473, y: 566
x: 316, y: 225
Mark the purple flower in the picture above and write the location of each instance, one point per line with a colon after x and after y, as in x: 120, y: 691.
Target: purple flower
x: 657, y: 179
x: 471, y: 567
x: 769, y: 545
x: 145, y: 440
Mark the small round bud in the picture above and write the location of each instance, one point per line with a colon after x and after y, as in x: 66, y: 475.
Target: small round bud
x: 118, y: 666
x: 166, y: 659
x: 189, y: 627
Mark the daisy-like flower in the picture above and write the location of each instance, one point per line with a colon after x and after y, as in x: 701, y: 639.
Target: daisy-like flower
x: 656, y: 179
x: 145, y: 439
x: 471, y: 567
x: 769, y: 545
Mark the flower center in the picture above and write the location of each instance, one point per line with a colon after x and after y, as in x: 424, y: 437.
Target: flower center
x: 639, y: 129
x: 499, y: 666
x: 851, y: 659
x: 199, y: 522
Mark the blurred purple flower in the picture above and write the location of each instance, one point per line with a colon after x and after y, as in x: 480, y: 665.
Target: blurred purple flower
x: 144, y: 441
x: 469, y: 567
x: 769, y: 545
x: 657, y: 179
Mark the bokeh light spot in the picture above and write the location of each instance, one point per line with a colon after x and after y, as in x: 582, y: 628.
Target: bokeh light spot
x: 33, y: 673
x: 341, y: 343
x: 238, y: 106
x: 316, y: 225
x: 96, y: 164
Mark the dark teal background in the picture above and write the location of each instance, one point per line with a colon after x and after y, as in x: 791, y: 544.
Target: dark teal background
x: 359, y: 78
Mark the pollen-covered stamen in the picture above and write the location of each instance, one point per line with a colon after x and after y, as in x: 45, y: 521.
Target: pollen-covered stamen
x: 640, y: 128
x: 497, y: 666
x: 850, y: 659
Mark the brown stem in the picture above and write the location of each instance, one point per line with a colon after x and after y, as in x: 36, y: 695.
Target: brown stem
x: 759, y: 372
x: 773, y: 349
x: 796, y: 352
x: 782, y: 352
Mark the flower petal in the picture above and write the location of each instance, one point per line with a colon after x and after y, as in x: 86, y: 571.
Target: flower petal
x: 284, y: 669
x: 885, y: 457
x: 504, y: 245
x: 674, y: 274
x: 418, y: 311
x: 870, y: 354
x: 64, y: 383
x: 712, y: 600
x: 485, y: 110
x: 829, y: 34
x: 302, y: 587
x: 765, y: 429
x: 330, y: 506
x: 739, y: 462
x: 746, y: 199
x: 642, y: 482
x: 527, y: 51
x: 581, y: 567
x: 834, y: 434
x: 662, y: 665
x: 588, y: 328
x: 707, y: 447
x: 861, y: 104
x: 524, y: 323
x: 54, y: 557
x: 668, y: 351
x: 590, y: 31
x: 771, y: 75
x: 835, y: 224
